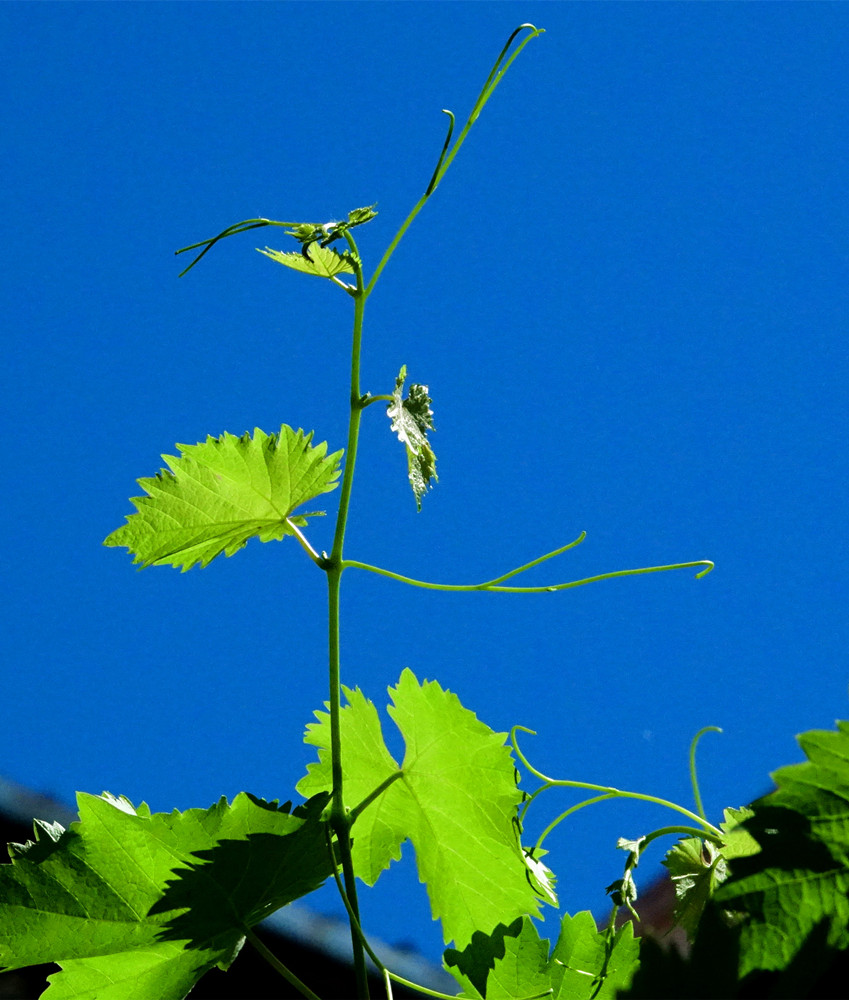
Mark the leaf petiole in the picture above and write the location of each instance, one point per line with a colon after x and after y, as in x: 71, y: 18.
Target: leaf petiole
x: 305, y: 545
x: 367, y: 801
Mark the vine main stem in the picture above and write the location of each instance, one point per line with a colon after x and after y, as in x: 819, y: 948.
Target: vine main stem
x: 334, y: 566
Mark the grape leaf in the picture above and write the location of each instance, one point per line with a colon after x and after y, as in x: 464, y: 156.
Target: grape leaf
x: 510, y: 962
x: 325, y: 262
x: 779, y: 924
x: 697, y: 867
x: 514, y: 962
x: 596, y: 964
x: 411, y: 419
x: 222, y: 492
x: 137, y: 905
x: 456, y: 801
x: 367, y: 763
x: 796, y: 886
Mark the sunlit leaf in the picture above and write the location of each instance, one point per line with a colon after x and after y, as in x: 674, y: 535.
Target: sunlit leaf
x: 456, y: 801
x: 222, y: 492
x: 324, y: 262
x: 514, y: 962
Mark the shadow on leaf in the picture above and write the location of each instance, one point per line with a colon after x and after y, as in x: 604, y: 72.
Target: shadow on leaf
x: 239, y: 882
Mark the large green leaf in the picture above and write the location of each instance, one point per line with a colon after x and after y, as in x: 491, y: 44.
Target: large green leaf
x: 222, y: 492
x: 139, y: 905
x: 456, y: 800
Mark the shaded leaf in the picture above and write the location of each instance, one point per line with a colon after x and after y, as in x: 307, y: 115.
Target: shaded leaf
x: 222, y: 492
x: 510, y: 962
x: 698, y: 867
x: 797, y: 883
x: 138, y: 905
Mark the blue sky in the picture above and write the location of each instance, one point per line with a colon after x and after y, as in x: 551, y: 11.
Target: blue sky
x: 628, y: 297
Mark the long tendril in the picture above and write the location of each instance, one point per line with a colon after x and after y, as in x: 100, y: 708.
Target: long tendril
x: 606, y: 791
x: 697, y: 796
x: 493, y: 587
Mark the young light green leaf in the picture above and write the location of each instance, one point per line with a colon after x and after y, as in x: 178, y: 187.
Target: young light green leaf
x: 368, y: 763
x: 511, y: 962
x: 324, y: 262
x: 411, y: 419
x: 596, y: 963
x: 135, y: 905
x: 222, y: 492
x: 456, y: 801
x: 514, y: 962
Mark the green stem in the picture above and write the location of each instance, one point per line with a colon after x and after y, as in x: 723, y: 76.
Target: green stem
x: 699, y: 833
x: 237, y: 227
x: 445, y: 158
x: 500, y: 67
x: 276, y: 964
x: 373, y: 955
x: 334, y: 567
x: 564, y: 815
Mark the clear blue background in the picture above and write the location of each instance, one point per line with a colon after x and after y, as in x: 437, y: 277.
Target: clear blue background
x: 628, y: 298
